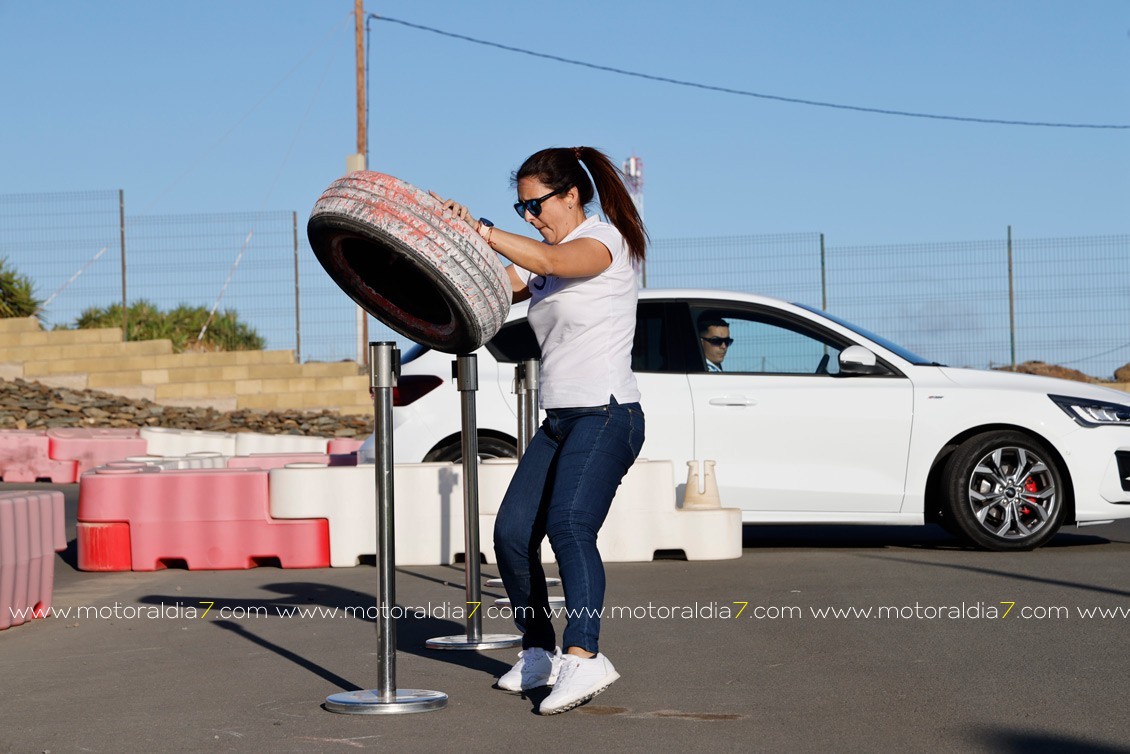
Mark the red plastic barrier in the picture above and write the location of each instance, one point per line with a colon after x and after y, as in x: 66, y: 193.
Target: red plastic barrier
x: 201, y: 518
x: 103, y: 546
x: 25, y: 457
x: 94, y: 447
x: 31, y: 530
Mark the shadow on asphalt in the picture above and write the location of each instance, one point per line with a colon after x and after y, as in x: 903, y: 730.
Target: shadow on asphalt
x: 1025, y: 742
x: 411, y: 632
x: 927, y: 537
x: 285, y: 653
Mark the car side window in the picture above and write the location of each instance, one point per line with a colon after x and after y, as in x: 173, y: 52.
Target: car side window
x: 752, y: 342
x: 650, y: 352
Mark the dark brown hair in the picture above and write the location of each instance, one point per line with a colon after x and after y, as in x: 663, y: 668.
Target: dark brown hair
x: 560, y: 169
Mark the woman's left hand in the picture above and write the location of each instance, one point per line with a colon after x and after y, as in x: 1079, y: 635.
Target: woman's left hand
x: 457, y: 209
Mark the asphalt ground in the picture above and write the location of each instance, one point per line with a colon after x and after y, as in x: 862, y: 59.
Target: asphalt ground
x: 944, y: 668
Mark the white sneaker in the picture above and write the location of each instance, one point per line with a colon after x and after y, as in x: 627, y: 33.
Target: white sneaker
x: 535, y: 667
x: 578, y: 681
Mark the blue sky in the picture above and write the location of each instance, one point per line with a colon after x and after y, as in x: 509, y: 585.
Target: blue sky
x: 211, y: 107
x: 218, y: 106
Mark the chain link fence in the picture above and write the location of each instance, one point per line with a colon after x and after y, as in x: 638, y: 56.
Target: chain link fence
x: 1070, y: 297
x: 84, y: 249
x: 980, y: 304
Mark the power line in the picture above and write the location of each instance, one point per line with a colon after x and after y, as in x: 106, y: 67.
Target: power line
x: 744, y: 93
x: 1097, y: 355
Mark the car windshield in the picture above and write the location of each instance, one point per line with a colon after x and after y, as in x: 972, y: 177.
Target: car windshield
x: 895, y: 348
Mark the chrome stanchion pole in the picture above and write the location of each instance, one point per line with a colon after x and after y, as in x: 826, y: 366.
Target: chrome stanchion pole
x: 523, y: 425
x: 386, y: 699
x: 533, y: 411
x: 526, y: 386
x: 467, y: 377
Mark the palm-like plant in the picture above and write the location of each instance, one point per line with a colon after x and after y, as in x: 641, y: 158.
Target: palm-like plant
x: 17, y: 298
x: 181, y: 325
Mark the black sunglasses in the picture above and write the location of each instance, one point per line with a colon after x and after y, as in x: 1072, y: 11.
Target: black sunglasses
x: 720, y: 341
x: 533, y: 206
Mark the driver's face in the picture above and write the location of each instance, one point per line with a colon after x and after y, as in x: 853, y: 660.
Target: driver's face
x: 715, y: 353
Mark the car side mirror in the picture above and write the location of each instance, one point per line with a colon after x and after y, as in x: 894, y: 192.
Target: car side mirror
x: 857, y: 360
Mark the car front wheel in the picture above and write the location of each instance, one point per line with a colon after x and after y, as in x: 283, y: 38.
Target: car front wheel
x: 1004, y: 491
x: 489, y: 447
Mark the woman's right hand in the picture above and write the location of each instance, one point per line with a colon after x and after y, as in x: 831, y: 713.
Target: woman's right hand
x: 457, y: 209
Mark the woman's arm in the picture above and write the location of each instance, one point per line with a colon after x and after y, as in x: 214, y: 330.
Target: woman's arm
x: 581, y: 258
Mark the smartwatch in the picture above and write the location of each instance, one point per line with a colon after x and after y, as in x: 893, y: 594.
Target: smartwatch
x: 484, y: 228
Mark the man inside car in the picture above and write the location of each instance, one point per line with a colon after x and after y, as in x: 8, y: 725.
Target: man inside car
x: 714, y: 335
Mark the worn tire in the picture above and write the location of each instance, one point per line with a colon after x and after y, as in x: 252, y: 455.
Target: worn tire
x: 428, y: 276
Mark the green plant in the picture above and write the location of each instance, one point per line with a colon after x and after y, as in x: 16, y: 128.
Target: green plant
x: 181, y: 325
x: 16, y: 296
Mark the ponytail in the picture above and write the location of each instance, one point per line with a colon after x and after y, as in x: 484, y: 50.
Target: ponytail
x: 559, y: 169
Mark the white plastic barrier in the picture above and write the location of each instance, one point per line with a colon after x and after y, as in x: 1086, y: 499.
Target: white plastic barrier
x: 200, y: 460
x: 429, y: 513
x: 248, y: 443
x: 162, y: 441
x: 642, y: 520
x: 428, y: 509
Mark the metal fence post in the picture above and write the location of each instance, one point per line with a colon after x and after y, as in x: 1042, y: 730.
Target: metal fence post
x: 122, y: 230
x: 1011, y: 305
x: 297, y: 318
x: 823, y: 277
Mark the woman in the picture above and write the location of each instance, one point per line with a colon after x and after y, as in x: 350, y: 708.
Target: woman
x: 581, y: 283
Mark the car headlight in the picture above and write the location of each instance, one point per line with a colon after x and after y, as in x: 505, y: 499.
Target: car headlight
x: 1092, y: 413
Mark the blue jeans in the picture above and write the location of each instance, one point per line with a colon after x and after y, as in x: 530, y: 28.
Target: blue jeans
x: 563, y: 488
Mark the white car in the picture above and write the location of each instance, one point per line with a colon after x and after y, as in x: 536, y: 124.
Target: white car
x: 814, y: 420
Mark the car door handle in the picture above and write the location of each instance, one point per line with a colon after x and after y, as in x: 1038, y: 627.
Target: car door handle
x: 733, y: 400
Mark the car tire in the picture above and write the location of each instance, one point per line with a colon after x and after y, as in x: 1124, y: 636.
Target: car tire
x: 396, y: 252
x: 1004, y: 491
x: 489, y: 447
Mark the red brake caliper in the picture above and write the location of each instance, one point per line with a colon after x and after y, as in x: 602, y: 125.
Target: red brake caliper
x: 1029, y: 486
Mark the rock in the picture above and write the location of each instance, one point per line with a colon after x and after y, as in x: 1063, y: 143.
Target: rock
x: 31, y: 405
x: 1051, y: 370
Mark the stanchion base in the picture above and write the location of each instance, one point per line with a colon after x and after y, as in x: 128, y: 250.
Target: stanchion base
x: 488, y: 641
x: 554, y: 601
x: 498, y: 582
x: 370, y: 703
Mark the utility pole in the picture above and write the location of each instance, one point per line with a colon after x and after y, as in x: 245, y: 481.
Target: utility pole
x: 359, y: 42
x: 359, y: 161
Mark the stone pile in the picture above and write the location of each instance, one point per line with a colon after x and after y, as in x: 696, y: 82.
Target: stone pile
x: 32, y: 405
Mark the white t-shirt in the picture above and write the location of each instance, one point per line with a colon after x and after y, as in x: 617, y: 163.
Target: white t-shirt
x: 586, y: 326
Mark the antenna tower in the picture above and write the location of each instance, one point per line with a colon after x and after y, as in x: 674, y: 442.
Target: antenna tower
x: 633, y: 181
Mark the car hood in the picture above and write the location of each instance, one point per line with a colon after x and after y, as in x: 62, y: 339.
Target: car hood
x: 980, y: 378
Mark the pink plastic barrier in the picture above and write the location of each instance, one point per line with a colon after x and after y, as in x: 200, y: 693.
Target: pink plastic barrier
x: 94, y: 447
x: 343, y: 445
x: 31, y: 530
x: 25, y: 457
x: 201, y: 518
